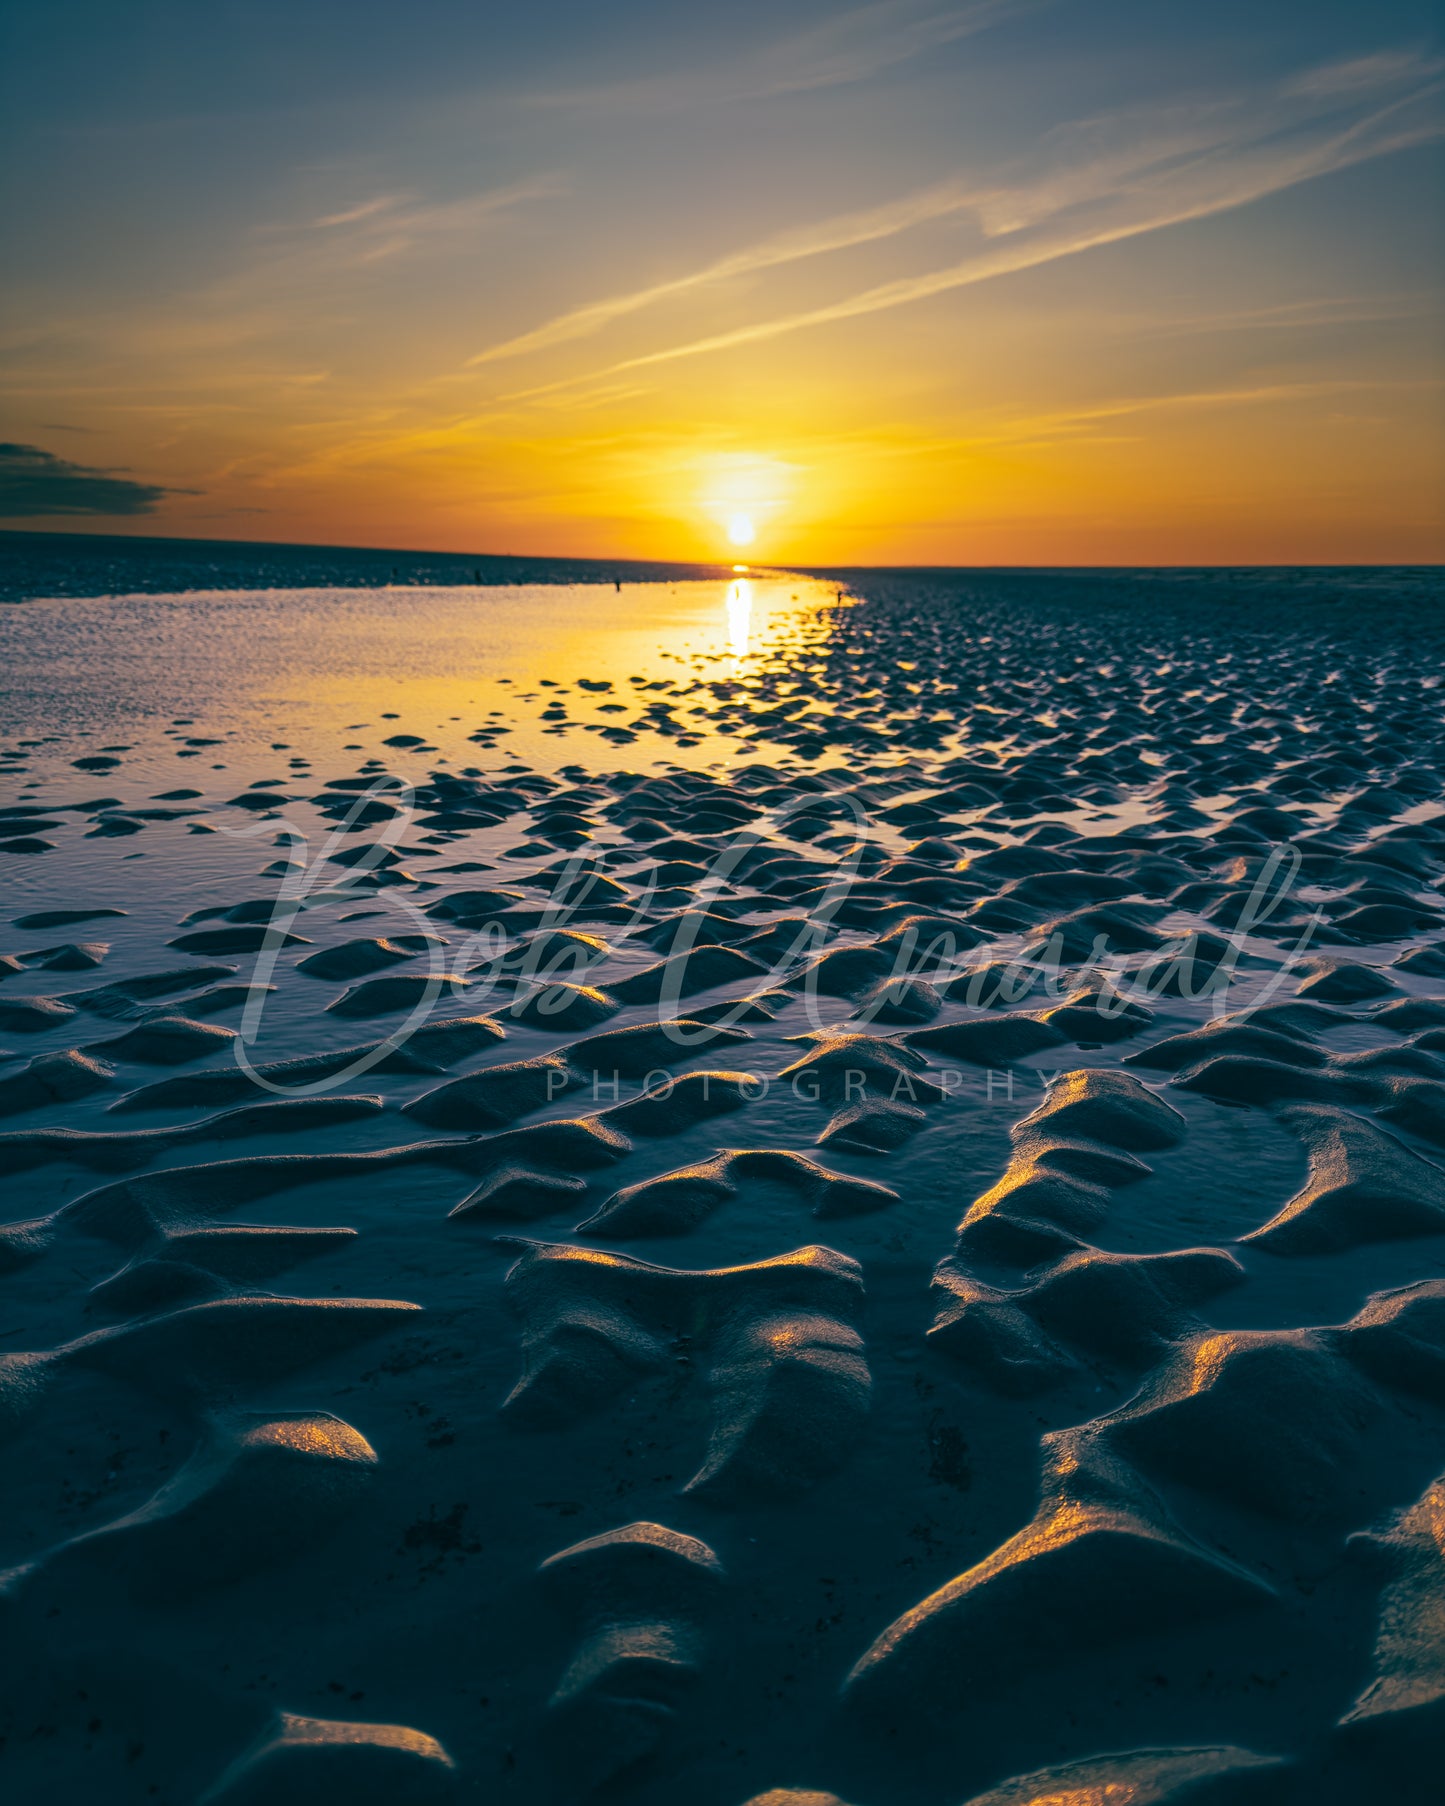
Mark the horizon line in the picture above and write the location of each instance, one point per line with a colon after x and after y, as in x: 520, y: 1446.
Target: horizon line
x: 699, y: 564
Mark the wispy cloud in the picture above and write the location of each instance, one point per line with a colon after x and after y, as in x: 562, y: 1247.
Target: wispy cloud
x: 1077, y: 420
x: 1322, y: 311
x: 853, y: 47
x: 1106, y: 180
x: 1075, y: 425
x: 364, y: 210
x: 860, y: 44
x: 388, y: 224
x: 840, y: 233
x: 253, y: 328
x: 1357, y: 76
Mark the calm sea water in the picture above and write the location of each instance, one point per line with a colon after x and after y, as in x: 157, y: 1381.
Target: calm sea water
x: 560, y: 672
x: 230, y: 653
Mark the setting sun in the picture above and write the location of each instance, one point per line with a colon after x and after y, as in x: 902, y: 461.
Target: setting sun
x: 740, y: 530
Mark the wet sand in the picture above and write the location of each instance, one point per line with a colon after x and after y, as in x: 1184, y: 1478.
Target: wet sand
x: 793, y: 1189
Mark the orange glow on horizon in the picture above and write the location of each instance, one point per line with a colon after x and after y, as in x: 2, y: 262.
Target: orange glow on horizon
x: 696, y: 312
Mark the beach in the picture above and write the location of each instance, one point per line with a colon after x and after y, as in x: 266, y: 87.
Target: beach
x: 725, y: 1185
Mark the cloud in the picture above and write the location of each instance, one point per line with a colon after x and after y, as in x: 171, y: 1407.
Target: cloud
x: 35, y: 482
x: 1073, y: 426
x: 1106, y: 180
x: 254, y: 328
x: 1078, y: 419
x: 419, y: 219
x: 864, y: 42
x: 1354, y: 77
x: 364, y: 210
x: 853, y: 47
x: 840, y: 233
x: 1296, y: 316
x: 391, y: 223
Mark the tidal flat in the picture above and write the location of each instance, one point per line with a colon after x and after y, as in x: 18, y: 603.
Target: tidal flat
x: 757, y: 1186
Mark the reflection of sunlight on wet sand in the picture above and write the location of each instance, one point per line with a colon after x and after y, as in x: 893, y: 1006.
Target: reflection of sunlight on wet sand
x: 543, y: 671
x: 740, y: 616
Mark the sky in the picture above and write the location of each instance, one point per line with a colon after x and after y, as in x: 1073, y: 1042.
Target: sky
x: 935, y: 282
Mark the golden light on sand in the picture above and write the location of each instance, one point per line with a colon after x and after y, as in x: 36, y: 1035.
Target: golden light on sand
x: 741, y: 530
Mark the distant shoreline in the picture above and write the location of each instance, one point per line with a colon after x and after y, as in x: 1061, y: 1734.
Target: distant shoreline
x: 79, y: 565
x: 92, y: 564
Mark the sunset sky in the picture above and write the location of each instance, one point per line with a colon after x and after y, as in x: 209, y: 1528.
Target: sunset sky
x: 998, y: 281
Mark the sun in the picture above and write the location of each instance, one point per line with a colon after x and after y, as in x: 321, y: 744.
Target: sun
x: 740, y: 530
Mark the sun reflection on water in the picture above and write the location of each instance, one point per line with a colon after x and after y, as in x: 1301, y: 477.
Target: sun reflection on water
x: 740, y: 616
x: 542, y: 673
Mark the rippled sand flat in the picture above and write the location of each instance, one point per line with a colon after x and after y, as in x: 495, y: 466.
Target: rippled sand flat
x: 781, y: 1188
